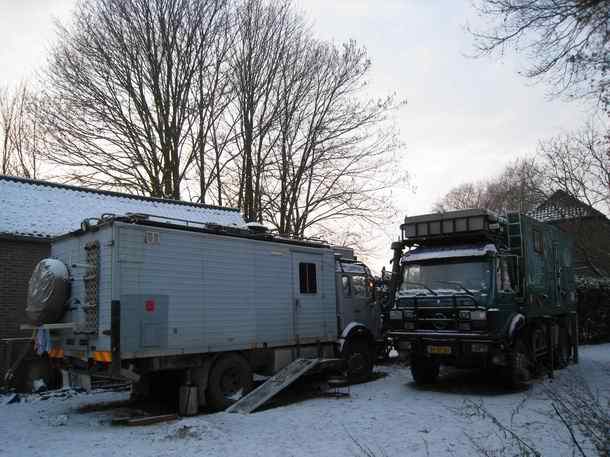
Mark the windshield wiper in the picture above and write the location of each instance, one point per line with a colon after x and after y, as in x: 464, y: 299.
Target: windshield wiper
x: 455, y: 283
x: 421, y: 285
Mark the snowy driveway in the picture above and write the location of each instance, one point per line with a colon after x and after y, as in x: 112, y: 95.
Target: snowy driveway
x: 389, y: 416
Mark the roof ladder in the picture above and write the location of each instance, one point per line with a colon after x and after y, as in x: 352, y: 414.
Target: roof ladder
x: 515, y: 234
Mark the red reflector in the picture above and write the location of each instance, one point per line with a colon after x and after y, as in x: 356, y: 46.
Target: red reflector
x: 150, y: 306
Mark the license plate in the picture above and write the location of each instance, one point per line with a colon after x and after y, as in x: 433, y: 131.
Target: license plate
x: 442, y: 350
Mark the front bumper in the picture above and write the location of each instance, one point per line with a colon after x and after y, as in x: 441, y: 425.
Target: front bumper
x: 466, y: 349
x: 445, y: 336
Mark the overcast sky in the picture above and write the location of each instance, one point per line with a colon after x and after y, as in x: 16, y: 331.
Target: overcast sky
x: 465, y: 118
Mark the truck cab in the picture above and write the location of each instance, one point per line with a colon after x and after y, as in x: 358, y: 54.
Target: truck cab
x: 472, y: 289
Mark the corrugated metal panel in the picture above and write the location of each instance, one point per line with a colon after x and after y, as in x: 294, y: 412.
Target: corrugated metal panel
x: 171, y: 267
x: 223, y: 293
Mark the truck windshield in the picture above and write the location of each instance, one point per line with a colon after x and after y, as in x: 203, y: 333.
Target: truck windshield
x: 469, y: 277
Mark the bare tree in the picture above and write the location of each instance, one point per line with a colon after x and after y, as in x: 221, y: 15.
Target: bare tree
x: 463, y: 196
x: 121, y: 81
x: 579, y: 163
x: 233, y: 103
x: 20, y: 132
x: 311, y: 149
x: 521, y: 186
x: 331, y: 160
x: 565, y: 40
x: 213, y: 133
x: 264, y: 33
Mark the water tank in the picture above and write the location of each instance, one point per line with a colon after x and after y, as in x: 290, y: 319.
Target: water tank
x: 48, y: 291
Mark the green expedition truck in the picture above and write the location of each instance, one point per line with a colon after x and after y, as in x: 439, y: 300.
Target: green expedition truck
x: 472, y: 289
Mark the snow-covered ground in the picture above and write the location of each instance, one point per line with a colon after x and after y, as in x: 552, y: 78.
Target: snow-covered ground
x: 389, y: 416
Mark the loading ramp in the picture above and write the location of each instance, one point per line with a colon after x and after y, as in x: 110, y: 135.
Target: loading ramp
x: 278, y: 382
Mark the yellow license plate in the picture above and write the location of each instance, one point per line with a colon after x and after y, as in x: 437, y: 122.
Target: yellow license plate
x: 443, y: 350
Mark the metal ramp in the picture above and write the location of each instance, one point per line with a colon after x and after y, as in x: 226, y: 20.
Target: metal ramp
x: 273, y: 386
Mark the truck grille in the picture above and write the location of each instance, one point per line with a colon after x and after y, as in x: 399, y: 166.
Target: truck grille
x: 437, y: 313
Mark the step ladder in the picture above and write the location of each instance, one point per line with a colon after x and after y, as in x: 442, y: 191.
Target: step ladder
x: 273, y: 386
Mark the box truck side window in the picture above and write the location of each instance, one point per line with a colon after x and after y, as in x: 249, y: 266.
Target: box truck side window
x: 307, y: 278
x: 347, y: 290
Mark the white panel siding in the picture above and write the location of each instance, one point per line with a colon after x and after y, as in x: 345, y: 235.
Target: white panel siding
x: 223, y: 293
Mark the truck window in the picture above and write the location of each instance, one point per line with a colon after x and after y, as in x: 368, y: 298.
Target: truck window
x: 451, y: 277
x: 359, y: 286
x: 307, y: 278
x: 347, y: 289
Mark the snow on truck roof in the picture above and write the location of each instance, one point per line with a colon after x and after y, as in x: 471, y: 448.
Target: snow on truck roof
x: 447, y: 252
x: 41, y: 209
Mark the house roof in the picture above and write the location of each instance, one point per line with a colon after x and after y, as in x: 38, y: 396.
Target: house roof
x: 41, y: 209
x: 561, y: 206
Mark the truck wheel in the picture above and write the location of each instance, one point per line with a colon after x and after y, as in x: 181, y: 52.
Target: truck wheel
x: 424, y: 371
x: 230, y: 379
x: 358, y: 357
x: 519, y: 373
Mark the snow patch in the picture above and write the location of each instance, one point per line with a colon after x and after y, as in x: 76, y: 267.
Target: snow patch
x: 33, y: 208
x: 425, y: 253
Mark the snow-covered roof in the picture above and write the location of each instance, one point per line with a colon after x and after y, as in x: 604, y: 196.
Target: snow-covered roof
x: 447, y: 252
x: 43, y: 209
x: 561, y: 206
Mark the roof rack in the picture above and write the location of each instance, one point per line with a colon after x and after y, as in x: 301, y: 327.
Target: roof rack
x: 452, y: 226
x: 198, y: 226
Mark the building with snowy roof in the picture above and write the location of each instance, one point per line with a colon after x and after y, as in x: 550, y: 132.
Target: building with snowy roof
x: 33, y: 212
x: 590, y: 227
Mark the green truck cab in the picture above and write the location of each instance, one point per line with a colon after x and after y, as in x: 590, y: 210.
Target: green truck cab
x: 472, y: 289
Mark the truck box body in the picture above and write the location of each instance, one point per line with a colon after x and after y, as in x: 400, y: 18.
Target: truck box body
x: 186, y: 292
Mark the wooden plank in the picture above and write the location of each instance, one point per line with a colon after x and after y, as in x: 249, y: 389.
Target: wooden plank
x: 152, y: 419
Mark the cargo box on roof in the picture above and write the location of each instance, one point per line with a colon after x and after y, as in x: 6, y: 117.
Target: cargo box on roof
x: 449, y: 225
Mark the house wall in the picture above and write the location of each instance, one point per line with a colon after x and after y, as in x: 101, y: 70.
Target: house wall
x: 591, y: 245
x: 17, y: 261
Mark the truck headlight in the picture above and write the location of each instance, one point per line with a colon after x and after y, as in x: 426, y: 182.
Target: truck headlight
x: 478, y: 315
x: 409, y: 315
x: 409, y: 325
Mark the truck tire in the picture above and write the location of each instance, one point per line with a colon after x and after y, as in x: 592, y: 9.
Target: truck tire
x: 424, y: 371
x: 359, y: 359
x: 519, y: 369
x: 230, y: 379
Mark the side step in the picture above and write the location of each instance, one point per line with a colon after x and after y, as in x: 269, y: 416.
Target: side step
x: 273, y: 386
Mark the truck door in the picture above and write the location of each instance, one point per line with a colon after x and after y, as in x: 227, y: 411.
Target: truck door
x: 361, y: 301
x: 309, y: 314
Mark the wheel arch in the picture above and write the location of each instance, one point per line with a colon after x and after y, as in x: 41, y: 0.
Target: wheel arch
x: 516, y: 323
x: 355, y: 330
